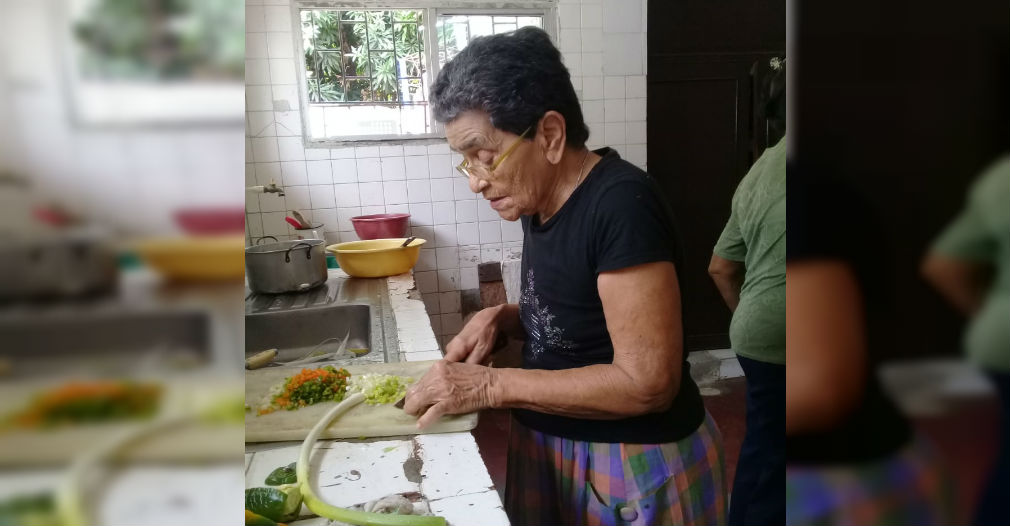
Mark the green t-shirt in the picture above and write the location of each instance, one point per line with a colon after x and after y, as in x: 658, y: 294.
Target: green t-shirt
x: 756, y: 235
x: 981, y: 233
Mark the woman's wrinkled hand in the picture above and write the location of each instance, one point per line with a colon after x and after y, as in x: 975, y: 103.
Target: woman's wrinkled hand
x: 450, y: 388
x: 475, y: 343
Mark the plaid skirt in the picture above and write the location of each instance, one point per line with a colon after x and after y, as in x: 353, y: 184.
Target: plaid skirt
x: 557, y: 481
x: 909, y: 488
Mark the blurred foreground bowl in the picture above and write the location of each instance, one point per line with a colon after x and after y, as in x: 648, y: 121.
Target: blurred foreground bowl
x: 211, y: 221
x: 205, y: 258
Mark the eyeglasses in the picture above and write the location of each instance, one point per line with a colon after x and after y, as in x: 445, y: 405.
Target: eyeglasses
x: 480, y: 171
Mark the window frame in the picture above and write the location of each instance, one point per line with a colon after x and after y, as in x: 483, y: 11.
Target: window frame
x: 432, y: 10
x: 137, y: 104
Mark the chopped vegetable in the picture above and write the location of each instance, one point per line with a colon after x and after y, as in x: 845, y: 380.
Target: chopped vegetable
x: 380, y: 388
x: 282, y: 475
x: 78, y: 402
x: 321, y: 508
x: 278, y: 504
x: 308, y: 387
x: 255, y: 519
x: 228, y: 409
x: 29, y: 510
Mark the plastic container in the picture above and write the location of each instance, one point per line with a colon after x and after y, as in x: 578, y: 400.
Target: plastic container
x: 313, y: 232
x: 381, y: 226
x: 376, y: 258
x: 204, y: 258
x: 211, y: 221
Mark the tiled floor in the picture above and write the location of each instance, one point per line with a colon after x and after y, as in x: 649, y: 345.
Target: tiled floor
x: 728, y: 409
x: 965, y: 437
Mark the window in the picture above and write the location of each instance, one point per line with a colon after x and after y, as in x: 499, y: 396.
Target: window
x: 154, y: 63
x: 456, y: 31
x: 365, y: 73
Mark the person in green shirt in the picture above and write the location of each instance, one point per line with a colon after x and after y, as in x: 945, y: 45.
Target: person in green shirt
x: 749, y: 260
x: 969, y: 264
x: 749, y: 268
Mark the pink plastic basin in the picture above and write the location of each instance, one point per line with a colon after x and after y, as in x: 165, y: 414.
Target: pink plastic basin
x: 211, y: 220
x: 381, y: 226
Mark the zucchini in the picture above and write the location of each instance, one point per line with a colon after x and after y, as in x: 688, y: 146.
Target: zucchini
x: 282, y: 475
x: 29, y: 510
x: 278, y: 504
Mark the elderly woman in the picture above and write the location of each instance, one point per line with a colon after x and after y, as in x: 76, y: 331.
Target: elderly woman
x: 608, y: 426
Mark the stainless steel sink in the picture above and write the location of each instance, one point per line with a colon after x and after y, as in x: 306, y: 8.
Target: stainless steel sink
x: 102, y: 337
x: 296, y: 333
x: 297, y: 324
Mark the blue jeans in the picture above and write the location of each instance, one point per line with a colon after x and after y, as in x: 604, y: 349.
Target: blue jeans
x: 759, y: 496
x: 993, y: 507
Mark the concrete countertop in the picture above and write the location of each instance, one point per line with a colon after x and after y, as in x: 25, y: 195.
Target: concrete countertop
x: 445, y: 469
x: 169, y: 492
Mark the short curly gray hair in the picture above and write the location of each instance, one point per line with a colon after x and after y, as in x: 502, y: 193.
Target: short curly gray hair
x: 515, y: 78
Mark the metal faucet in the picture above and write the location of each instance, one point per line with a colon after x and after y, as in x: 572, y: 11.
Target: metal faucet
x: 271, y: 188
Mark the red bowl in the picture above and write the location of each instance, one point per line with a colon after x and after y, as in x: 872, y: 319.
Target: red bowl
x: 381, y: 226
x: 197, y: 221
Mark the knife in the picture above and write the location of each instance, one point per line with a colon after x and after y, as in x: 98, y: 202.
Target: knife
x: 500, y: 343
x: 301, y: 219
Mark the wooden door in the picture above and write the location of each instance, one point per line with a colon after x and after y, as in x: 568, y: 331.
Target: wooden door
x: 706, y: 65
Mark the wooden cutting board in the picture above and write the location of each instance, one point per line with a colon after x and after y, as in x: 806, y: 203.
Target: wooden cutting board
x: 360, y: 422
x: 190, y: 443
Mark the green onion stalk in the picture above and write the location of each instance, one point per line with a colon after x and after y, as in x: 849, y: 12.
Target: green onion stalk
x: 71, y: 503
x: 321, y: 508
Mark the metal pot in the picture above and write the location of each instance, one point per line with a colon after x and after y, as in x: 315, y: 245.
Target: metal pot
x: 63, y: 265
x: 286, y: 266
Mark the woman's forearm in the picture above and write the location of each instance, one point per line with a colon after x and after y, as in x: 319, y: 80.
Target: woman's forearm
x: 826, y: 353
x: 815, y: 403
x: 963, y: 284
x: 729, y: 286
x: 604, y: 392
x: 728, y: 276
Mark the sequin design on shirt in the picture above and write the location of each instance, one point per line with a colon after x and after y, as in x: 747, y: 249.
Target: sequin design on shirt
x: 543, y: 335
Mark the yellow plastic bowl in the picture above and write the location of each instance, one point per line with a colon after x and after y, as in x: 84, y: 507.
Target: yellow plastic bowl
x: 209, y: 258
x: 377, y: 258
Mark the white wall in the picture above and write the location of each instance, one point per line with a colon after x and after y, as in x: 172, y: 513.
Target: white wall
x: 603, y: 44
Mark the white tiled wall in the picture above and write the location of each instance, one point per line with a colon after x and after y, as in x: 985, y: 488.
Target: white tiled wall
x: 603, y: 44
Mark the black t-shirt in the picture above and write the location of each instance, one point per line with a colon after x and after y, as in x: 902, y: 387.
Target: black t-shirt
x: 827, y: 219
x: 615, y: 219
